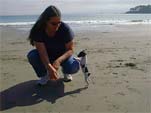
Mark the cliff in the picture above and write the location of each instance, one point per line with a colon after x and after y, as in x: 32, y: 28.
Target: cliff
x: 140, y: 9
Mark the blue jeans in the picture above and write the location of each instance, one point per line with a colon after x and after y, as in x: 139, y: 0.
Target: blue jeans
x: 69, y: 66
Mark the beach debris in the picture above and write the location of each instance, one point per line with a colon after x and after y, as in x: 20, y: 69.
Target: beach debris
x: 132, y: 58
x: 130, y: 65
x: 115, y: 73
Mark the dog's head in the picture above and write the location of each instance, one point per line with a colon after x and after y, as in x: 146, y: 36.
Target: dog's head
x: 82, y: 53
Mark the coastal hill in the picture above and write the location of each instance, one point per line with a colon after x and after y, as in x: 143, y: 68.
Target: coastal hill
x: 140, y: 9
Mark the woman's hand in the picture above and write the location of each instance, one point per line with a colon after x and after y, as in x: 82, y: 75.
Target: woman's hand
x: 52, y: 73
x: 56, y: 64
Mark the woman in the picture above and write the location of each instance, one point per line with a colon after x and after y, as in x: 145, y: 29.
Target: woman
x: 53, y: 40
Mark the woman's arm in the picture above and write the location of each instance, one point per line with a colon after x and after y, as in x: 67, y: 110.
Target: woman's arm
x: 67, y: 54
x: 43, y: 54
x: 45, y: 59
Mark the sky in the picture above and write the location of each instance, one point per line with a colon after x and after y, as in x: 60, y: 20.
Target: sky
x: 30, y: 7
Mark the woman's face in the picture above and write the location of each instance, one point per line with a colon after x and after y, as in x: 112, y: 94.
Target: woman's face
x: 53, y: 24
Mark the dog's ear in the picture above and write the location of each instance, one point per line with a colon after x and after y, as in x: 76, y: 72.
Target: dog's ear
x: 82, y: 53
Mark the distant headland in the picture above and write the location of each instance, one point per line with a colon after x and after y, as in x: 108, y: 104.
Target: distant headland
x: 140, y: 9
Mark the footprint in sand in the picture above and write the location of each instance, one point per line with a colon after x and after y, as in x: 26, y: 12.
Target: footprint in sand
x: 134, y: 90
x: 120, y: 93
x: 111, y: 106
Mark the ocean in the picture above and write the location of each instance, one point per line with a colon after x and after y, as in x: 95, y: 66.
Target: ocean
x: 79, y: 20
x: 82, y: 19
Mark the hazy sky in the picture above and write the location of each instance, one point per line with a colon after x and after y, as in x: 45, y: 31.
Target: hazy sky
x: 22, y: 7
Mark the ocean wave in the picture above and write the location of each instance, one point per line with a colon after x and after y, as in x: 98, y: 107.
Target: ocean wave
x: 86, y: 22
x: 110, y: 22
x: 16, y: 23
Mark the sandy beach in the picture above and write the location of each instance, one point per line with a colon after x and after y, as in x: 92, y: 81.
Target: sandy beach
x: 119, y: 60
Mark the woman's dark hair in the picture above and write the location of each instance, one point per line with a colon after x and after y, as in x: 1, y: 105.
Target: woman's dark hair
x: 40, y: 24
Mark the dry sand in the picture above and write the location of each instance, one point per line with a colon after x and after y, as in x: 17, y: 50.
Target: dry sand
x: 119, y: 61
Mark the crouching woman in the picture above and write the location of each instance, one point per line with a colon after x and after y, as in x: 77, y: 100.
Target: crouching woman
x: 53, y: 40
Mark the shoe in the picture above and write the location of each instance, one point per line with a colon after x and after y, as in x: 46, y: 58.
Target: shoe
x: 67, y: 78
x: 43, y: 80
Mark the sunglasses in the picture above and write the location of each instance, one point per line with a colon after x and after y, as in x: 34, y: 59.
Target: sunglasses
x: 55, y: 23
